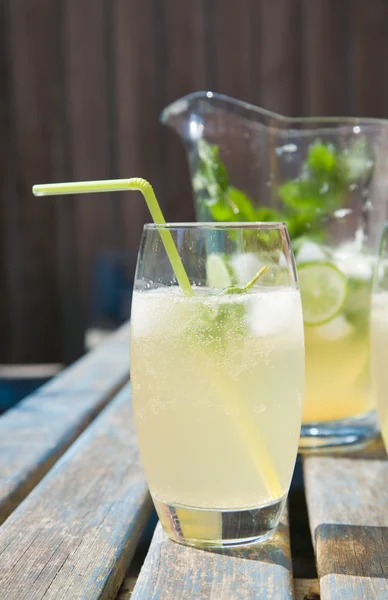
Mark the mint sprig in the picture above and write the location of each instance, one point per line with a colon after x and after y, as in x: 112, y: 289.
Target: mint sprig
x: 305, y: 201
x: 223, y: 201
x: 235, y: 289
x: 219, y: 323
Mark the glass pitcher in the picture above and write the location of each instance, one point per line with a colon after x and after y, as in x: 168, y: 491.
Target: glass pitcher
x: 327, y: 179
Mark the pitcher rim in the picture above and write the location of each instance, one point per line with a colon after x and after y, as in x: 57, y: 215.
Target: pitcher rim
x: 209, y: 95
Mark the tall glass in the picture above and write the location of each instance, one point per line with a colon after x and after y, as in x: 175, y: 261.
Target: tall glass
x: 326, y: 178
x: 379, y: 335
x: 217, y: 379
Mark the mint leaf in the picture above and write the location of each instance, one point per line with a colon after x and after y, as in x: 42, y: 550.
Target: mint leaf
x: 305, y: 202
x: 266, y: 213
x: 213, y: 173
x: 322, y: 158
x: 211, y: 182
x: 223, y: 211
x: 216, y: 323
x: 232, y: 205
x: 211, y: 177
x: 242, y: 205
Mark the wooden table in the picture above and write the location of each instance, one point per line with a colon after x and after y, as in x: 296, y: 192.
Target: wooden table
x: 76, y: 514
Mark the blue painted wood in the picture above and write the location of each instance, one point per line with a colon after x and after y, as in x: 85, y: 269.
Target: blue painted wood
x: 37, y: 431
x: 18, y: 381
x: 75, y: 534
x: 112, y: 286
x: 261, y: 572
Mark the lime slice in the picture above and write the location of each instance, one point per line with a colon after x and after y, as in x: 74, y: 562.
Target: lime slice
x: 217, y: 272
x: 323, y: 288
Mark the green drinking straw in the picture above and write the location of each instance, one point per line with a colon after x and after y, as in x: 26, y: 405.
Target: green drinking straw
x: 120, y: 185
x: 250, y: 438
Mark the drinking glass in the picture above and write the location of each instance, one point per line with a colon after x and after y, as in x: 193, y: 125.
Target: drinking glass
x: 217, y: 378
x: 379, y: 335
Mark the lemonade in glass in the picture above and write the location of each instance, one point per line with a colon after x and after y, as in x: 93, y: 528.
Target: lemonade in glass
x: 336, y: 293
x: 217, y: 380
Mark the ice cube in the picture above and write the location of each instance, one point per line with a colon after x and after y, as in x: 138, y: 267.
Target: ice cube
x: 161, y: 313
x: 352, y: 247
x: 310, y: 252
x: 273, y: 312
x: 380, y: 308
x: 355, y: 265
x: 245, y: 266
x: 336, y: 329
x: 283, y: 263
x: 350, y: 259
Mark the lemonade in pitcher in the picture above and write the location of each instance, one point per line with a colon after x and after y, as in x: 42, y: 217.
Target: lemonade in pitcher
x: 379, y: 345
x: 336, y: 291
x: 326, y: 179
x: 379, y: 334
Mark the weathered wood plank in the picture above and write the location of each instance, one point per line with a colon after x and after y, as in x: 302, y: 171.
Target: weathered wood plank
x: 368, y: 58
x: 229, y: 51
x: 85, y: 39
x: 129, y: 582
x: 136, y: 109
x: 71, y: 324
x: 348, y: 512
x: 39, y: 429
x: 30, y: 371
x: 175, y: 571
x: 306, y: 589
x: 374, y: 450
x: 324, y: 57
x: 276, y: 69
x: 179, y: 73
x: 127, y: 588
x: 30, y: 231
x: 76, y: 533
x: 8, y: 197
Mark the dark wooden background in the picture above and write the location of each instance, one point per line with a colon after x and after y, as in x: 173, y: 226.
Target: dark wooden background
x: 82, y: 83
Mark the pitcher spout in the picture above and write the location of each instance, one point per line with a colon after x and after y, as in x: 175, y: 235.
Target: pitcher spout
x: 206, y: 113
x: 184, y: 115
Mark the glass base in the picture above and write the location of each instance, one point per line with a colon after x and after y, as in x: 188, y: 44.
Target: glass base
x: 336, y: 435
x: 219, y: 528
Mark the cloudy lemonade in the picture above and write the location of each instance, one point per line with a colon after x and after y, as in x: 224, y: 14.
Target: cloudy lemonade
x: 379, y: 345
x: 336, y: 292
x: 217, y: 381
x: 330, y: 396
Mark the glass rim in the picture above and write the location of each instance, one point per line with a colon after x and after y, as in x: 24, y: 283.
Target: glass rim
x: 252, y: 225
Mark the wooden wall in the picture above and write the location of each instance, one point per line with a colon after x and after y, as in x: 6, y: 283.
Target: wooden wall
x: 82, y: 83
